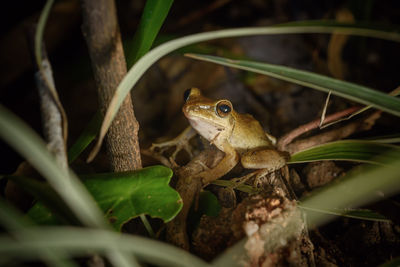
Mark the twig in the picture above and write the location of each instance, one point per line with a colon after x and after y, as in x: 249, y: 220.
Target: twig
x: 288, y: 138
x: 362, y: 124
x: 101, y: 31
x: 53, y: 115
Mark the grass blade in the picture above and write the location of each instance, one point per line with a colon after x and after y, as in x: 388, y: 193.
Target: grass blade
x: 361, y: 214
x: 358, y: 188
x: 24, y: 140
x: 357, y: 93
x: 40, y: 30
x: 349, y: 150
x: 150, y: 58
x: 154, y: 14
x: 79, y: 241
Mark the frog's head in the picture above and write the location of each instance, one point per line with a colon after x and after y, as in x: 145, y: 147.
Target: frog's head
x: 214, y: 120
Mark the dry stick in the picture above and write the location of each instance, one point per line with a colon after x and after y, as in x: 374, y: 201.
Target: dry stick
x: 52, y: 118
x: 101, y: 31
x: 286, y: 139
x: 53, y: 123
x: 362, y: 124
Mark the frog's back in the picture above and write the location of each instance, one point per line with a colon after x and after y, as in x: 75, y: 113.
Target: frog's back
x: 248, y: 134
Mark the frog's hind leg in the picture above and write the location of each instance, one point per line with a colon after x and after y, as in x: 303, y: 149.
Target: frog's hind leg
x: 265, y: 158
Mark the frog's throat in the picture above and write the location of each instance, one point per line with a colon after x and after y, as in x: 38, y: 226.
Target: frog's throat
x: 209, y: 130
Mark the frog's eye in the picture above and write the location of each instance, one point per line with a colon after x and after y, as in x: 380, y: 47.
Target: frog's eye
x: 223, y: 108
x: 186, y: 94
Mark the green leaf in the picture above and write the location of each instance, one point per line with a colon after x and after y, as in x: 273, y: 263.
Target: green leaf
x: 153, y: 16
x: 121, y: 196
x: 350, y: 150
x: 150, y: 58
x: 357, y: 93
x: 86, y: 137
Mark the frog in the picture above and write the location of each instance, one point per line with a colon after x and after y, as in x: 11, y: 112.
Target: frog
x: 239, y: 136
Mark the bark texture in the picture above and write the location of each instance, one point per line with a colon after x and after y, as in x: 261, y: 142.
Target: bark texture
x: 101, y: 31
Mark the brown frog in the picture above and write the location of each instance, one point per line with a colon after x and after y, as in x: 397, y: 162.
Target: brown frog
x: 239, y: 136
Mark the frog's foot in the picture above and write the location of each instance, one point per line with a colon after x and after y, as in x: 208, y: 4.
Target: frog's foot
x: 236, y: 182
x: 258, y: 178
x: 161, y: 148
x: 181, y: 142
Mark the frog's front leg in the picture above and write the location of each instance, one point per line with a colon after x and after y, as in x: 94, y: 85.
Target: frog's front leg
x: 181, y: 142
x: 227, y: 163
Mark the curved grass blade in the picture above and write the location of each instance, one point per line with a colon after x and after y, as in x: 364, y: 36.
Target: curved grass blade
x: 361, y: 214
x: 358, y: 188
x: 81, y: 241
x: 150, y: 58
x: 334, y: 23
x: 349, y: 150
x: 24, y: 140
x: 40, y: 30
x: 395, y: 92
x: 153, y: 16
x: 357, y: 93
x: 387, y: 139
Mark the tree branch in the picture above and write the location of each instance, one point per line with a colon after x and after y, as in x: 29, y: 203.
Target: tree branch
x: 101, y: 31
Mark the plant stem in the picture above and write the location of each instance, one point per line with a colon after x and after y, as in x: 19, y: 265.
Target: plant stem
x: 100, y: 28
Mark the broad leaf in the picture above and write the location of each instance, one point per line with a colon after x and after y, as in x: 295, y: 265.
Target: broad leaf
x: 121, y: 196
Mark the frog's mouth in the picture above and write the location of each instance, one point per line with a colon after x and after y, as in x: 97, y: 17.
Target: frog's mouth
x: 208, y: 129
